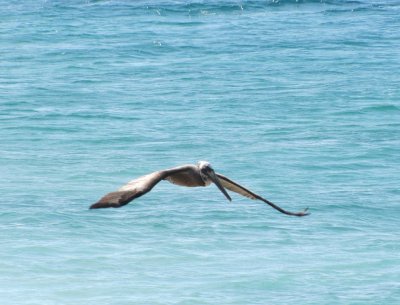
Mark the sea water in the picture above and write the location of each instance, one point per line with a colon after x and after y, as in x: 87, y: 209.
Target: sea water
x: 299, y: 101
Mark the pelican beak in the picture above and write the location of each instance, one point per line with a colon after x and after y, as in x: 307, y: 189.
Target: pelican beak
x: 215, y: 179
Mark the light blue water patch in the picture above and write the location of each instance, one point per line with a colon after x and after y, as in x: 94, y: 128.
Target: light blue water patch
x: 297, y: 100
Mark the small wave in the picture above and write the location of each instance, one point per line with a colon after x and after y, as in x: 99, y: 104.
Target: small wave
x: 199, y: 7
x: 381, y: 108
x: 369, y: 109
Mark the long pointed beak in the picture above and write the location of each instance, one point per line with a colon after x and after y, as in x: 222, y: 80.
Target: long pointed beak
x: 215, y: 179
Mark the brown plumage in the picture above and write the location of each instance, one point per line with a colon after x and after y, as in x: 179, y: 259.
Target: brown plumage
x: 189, y: 175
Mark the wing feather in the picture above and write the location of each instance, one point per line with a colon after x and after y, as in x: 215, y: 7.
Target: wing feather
x: 136, y: 188
x: 130, y: 191
x: 237, y: 188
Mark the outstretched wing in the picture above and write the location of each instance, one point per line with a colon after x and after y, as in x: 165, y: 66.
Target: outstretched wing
x: 137, y: 188
x: 130, y: 191
x: 237, y: 188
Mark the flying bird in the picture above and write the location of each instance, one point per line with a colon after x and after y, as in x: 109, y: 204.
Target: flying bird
x: 189, y: 175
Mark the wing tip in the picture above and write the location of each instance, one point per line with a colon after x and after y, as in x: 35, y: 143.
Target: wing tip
x: 302, y: 213
x: 100, y: 205
x: 115, y: 199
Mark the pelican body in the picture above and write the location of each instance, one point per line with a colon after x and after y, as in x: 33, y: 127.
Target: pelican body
x: 190, y: 175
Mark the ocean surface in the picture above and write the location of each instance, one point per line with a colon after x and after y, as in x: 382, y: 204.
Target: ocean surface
x: 297, y: 100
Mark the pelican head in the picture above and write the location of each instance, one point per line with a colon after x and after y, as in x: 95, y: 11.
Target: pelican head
x: 208, y: 175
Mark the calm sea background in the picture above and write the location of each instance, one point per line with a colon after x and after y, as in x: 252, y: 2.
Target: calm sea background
x: 297, y: 100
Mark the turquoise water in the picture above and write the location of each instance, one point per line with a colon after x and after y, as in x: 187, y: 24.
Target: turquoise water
x: 297, y: 100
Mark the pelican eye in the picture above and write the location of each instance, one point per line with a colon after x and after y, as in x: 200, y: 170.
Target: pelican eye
x: 207, y: 168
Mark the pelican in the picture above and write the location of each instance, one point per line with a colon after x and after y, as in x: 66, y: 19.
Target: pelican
x: 189, y: 175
